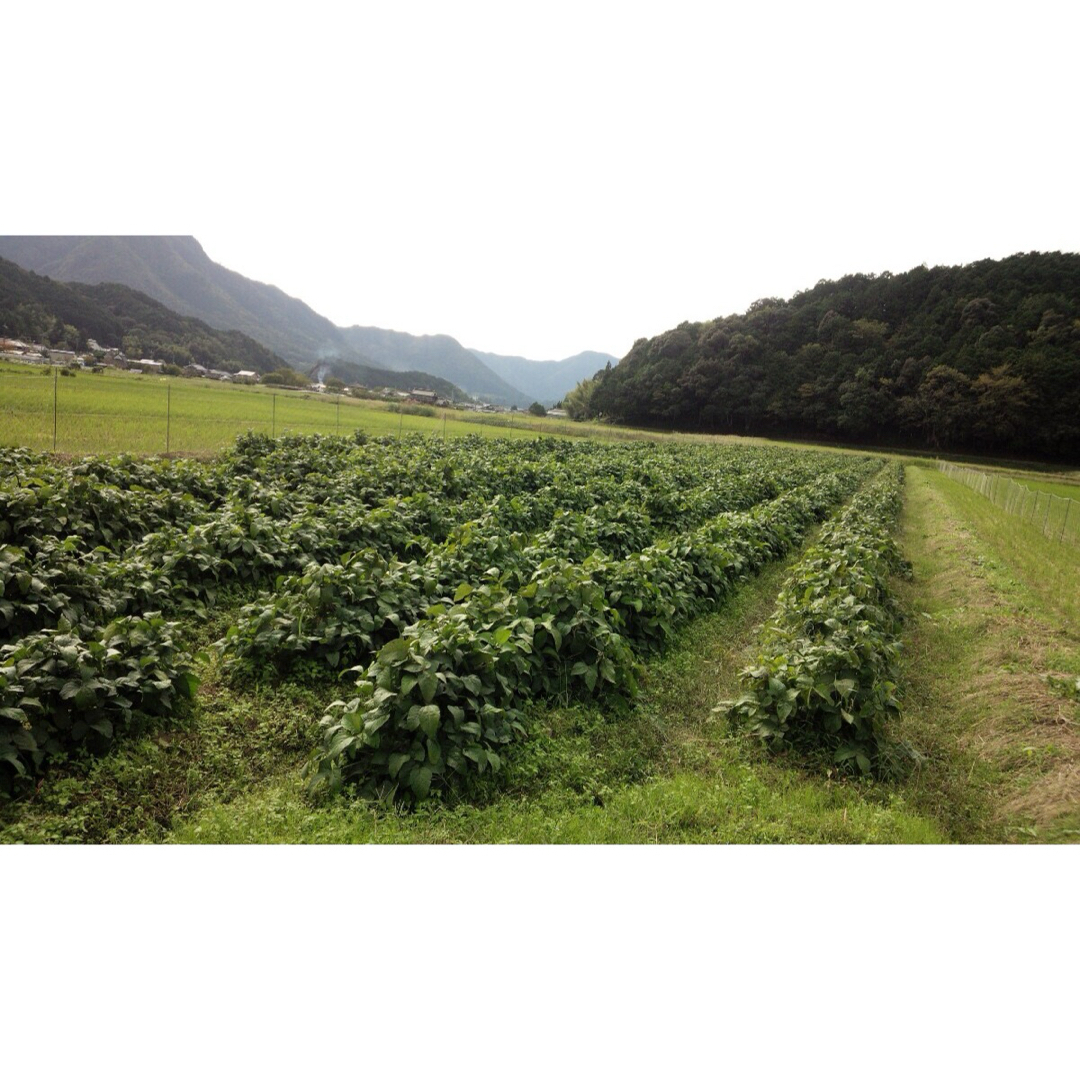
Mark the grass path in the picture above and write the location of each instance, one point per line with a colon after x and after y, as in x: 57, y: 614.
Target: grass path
x: 993, y: 616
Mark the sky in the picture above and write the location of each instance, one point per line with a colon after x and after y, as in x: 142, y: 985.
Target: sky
x: 542, y: 179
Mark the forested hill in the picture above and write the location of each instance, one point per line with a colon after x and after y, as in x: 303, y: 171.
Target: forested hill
x: 981, y: 357
x: 66, y: 316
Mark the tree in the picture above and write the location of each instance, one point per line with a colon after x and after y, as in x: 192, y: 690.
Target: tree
x: 537, y: 409
x: 1002, y: 406
x: 942, y: 407
x: 579, y: 399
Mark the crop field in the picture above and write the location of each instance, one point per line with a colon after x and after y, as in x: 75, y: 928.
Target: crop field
x: 314, y: 637
x: 123, y: 412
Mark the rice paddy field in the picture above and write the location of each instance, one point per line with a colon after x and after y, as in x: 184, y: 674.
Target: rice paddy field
x: 126, y: 412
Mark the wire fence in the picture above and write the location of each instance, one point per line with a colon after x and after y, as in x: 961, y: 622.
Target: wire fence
x: 1056, y: 517
x: 139, y: 414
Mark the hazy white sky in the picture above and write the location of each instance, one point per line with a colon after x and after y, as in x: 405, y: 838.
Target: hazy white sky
x: 541, y: 179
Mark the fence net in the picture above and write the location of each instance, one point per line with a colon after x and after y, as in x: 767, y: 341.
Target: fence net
x: 1057, y: 518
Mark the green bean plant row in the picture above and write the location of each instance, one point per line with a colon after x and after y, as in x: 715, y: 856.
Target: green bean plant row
x: 422, y: 562
x: 826, y: 680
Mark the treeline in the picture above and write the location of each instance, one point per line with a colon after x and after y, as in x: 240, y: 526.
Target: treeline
x: 981, y: 357
x: 35, y: 308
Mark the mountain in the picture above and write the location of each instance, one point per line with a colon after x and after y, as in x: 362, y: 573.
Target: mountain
x: 67, y: 316
x: 175, y: 271
x: 981, y: 357
x: 376, y: 378
x: 437, y: 354
x: 546, y: 381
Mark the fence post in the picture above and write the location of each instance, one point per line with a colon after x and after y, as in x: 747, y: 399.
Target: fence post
x: 54, y: 382
x: 1068, y: 510
x: 339, y: 415
x: 273, y: 417
x: 168, y: 414
x: 1049, y: 503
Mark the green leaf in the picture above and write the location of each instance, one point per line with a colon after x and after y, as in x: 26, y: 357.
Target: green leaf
x: 428, y: 685
x: 462, y: 591
x: 429, y: 719
x: 394, y: 651
x: 420, y: 782
x: 394, y: 764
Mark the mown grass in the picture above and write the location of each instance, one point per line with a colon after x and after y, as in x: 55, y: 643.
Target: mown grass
x: 993, y: 614
x: 1048, y: 568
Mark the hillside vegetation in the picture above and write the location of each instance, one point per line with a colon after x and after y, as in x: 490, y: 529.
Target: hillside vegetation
x: 981, y: 357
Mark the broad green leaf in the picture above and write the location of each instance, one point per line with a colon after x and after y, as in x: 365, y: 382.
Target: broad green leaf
x: 420, y: 781
x: 429, y: 720
x: 428, y: 683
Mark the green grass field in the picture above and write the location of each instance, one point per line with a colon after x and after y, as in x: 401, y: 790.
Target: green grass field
x: 123, y: 412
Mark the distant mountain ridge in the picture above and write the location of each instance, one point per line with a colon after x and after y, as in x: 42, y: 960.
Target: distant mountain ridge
x: 440, y: 353
x: 546, y: 381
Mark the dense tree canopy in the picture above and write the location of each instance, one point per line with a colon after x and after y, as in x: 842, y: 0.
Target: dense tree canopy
x: 980, y: 357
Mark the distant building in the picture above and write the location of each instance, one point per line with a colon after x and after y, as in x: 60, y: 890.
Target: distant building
x: 196, y: 371
x: 559, y: 414
x: 246, y: 376
x: 425, y: 397
x: 146, y: 364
